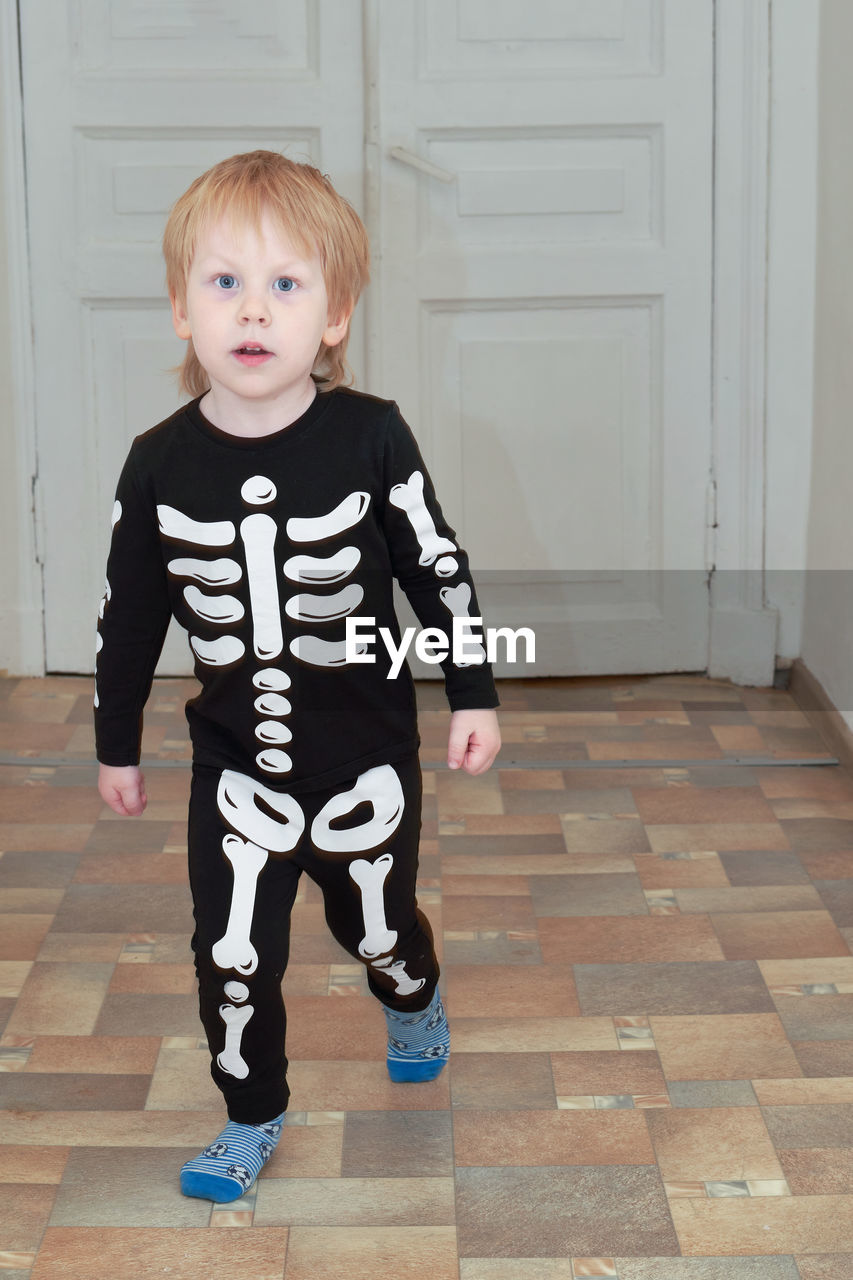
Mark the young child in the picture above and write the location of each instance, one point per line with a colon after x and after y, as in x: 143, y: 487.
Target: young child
x: 263, y: 514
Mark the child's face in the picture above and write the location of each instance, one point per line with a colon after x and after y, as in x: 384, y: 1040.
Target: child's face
x: 256, y: 310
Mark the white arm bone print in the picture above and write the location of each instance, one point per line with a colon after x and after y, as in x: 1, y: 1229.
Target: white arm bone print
x: 457, y: 599
x: 409, y: 497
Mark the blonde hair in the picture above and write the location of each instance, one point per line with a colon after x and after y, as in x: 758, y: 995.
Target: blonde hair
x: 306, y: 207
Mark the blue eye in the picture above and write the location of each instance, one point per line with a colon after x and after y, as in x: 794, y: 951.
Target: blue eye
x: 284, y: 284
x: 226, y: 282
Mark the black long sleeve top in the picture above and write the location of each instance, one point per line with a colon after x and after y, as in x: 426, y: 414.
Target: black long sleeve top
x: 262, y: 547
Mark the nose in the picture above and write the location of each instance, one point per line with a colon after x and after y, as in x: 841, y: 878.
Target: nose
x: 254, y: 309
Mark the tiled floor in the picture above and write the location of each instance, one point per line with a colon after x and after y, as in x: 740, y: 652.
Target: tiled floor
x: 648, y: 971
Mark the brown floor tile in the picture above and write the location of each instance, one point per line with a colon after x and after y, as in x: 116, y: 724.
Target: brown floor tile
x: 739, y: 1046
x: 514, y: 1081
x: 118, y: 1189
x: 21, y: 936
x: 507, y: 991
x: 760, y: 867
x: 532, y: 1035
x: 673, y: 988
x: 824, y: 1057
x: 819, y: 1171
x: 823, y: 784
x: 364, y: 1086
x: 24, y: 1213
x: 397, y: 1144
x: 112, y: 1055
x: 607, y: 1072
x: 61, y: 999
x: 616, y: 801
x: 30, y: 901
x: 583, y: 835
x: 37, y: 870
x: 153, y: 979
x: 32, y: 1164
x: 320, y: 1028
x: 706, y: 872
x: 771, y: 935
x: 833, y: 864
x: 837, y: 897
x: 132, y: 868
x: 721, y: 836
x: 52, y: 837
x: 492, y: 912
x: 81, y: 948
x: 113, y: 1128
x: 818, y: 1125
x: 707, y: 1144
x: 781, y: 973
x: 114, y: 837
x: 825, y: 1266
x: 819, y: 835
x: 559, y: 1212
x: 627, y: 939
x: 510, y: 826
x: 43, y: 804
x: 712, y: 804
x: 181, y: 1081
x: 542, y: 1138
x: 31, y: 1091
x: 148, y: 1015
x: 750, y: 898
x: 182, y: 1253
x: 803, y: 1092
x: 308, y: 1151
x: 587, y: 895
x: 769, y: 1224
x: 816, y: 1017
x: 356, y: 1202
x: 107, y: 908
x: 343, y: 1253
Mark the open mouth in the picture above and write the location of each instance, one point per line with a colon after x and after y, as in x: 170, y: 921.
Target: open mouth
x: 251, y: 351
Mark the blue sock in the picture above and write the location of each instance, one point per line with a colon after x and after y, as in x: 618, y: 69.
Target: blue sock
x: 418, y: 1043
x: 228, y: 1167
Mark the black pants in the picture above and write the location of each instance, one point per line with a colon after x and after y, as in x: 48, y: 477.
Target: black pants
x: 248, y: 846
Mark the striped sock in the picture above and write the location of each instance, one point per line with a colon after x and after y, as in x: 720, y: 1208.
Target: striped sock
x: 418, y: 1043
x: 228, y: 1167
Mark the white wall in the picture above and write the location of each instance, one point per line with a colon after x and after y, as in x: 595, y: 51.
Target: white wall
x: 827, y: 647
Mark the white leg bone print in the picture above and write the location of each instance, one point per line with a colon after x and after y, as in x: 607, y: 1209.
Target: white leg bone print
x: 234, y: 950
x: 406, y: 986
x: 409, y: 497
x: 370, y: 878
x: 236, y: 797
x: 231, y: 1059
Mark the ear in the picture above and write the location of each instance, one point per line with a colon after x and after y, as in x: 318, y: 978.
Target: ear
x: 180, y: 319
x: 336, y: 331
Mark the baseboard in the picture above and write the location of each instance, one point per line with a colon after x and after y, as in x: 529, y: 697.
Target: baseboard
x: 817, y: 706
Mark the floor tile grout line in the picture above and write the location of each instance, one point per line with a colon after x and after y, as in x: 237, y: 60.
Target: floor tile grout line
x: 438, y: 766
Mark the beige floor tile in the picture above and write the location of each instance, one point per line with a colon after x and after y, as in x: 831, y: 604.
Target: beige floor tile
x: 121, y: 1055
x: 180, y: 1253
x: 716, y: 835
x: 764, y: 1225
x: 356, y: 1202
x: 32, y: 1164
x: 532, y: 1035
x: 724, y: 1047
x: 307, y: 1151
x: 112, y: 1128
x: 382, y: 1253
x: 714, y: 1143
x: 802, y: 1092
x: 551, y: 1138
x: 61, y: 999
x: 181, y: 1081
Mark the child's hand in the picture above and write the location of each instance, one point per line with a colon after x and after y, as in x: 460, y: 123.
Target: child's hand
x: 123, y: 789
x: 475, y: 740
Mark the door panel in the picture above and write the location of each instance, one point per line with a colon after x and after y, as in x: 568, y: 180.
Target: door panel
x: 545, y: 311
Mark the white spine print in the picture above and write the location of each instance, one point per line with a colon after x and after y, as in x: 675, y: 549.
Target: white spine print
x: 274, y: 761
x: 231, y: 1059
x: 258, y: 534
x: 320, y: 570
x: 217, y: 609
x: 409, y: 497
x: 272, y: 704
x: 234, y: 949
x: 457, y: 599
x: 370, y: 878
x: 272, y: 732
x: 381, y: 788
x: 203, y: 533
x: 311, y: 608
x: 271, y: 678
x: 210, y: 573
x: 318, y: 528
x: 236, y: 798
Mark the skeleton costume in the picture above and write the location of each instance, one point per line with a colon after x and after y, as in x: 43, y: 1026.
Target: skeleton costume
x: 302, y: 761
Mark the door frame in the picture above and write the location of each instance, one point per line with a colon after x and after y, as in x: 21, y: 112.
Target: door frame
x: 743, y: 630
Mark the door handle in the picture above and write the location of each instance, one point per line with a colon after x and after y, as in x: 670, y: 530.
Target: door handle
x: 425, y: 166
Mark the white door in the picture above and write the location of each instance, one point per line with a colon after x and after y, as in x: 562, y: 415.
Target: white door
x: 543, y: 311
x: 543, y: 315
x: 126, y: 101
